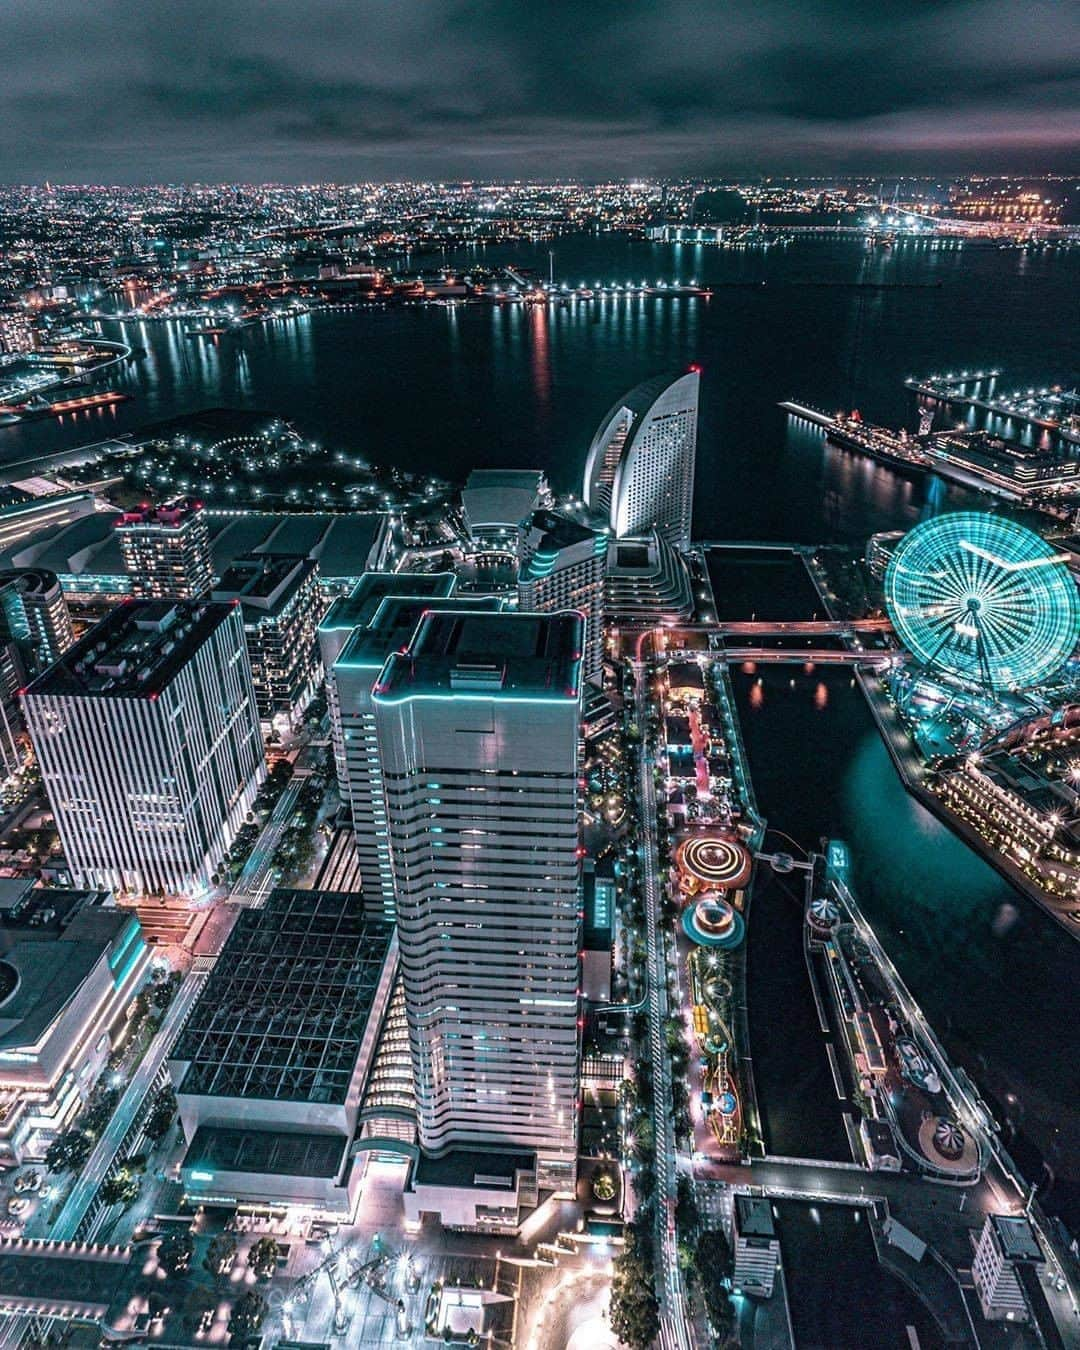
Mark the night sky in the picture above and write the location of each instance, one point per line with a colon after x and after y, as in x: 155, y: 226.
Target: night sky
x: 294, y: 90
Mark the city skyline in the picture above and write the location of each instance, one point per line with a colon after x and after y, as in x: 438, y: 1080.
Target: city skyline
x: 343, y: 92
x: 482, y: 869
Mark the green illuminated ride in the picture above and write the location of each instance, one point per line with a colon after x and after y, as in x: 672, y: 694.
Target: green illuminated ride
x: 983, y: 600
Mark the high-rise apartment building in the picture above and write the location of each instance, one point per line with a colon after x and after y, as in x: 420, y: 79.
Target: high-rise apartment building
x: 148, y: 741
x: 281, y: 602
x: 562, y: 567
x: 478, y: 724
x: 36, y: 616
x: 639, y: 472
x: 166, y: 550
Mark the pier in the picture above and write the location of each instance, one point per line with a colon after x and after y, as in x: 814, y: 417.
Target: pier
x: 1050, y: 409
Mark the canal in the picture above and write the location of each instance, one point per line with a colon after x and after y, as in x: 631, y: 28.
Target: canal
x: 994, y: 975
x: 840, y: 1296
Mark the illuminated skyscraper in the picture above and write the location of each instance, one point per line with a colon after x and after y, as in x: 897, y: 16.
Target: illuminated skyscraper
x: 148, y: 741
x: 478, y: 726
x: 166, y: 550
x: 36, y: 616
x: 562, y: 567
x: 383, y: 613
x: 639, y: 473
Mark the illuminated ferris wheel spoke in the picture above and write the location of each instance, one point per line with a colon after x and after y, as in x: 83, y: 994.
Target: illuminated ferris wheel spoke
x: 983, y: 599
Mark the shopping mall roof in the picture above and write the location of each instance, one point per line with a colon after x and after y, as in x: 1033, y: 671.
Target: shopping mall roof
x: 284, y: 1014
x: 344, y: 545
x: 86, y: 553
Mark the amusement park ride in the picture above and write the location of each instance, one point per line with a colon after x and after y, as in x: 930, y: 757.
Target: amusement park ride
x: 983, y: 602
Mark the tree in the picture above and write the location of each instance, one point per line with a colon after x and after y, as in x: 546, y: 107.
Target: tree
x: 220, y: 1253
x: 122, y: 1188
x: 175, y: 1251
x: 247, y: 1314
x: 713, y: 1260
x: 98, y: 1110
x: 197, y: 1301
x: 262, y: 1258
x: 69, y: 1151
x: 160, y: 1117
x: 635, y: 1312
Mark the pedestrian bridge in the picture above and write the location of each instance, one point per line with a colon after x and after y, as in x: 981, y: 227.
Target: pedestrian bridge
x: 800, y: 656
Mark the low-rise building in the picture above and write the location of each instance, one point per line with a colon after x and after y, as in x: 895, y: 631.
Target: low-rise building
x: 494, y: 502
x: 71, y: 962
x: 477, y: 1191
x: 598, y: 929
x: 271, y: 1068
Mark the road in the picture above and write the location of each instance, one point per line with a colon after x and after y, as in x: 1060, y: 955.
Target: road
x: 107, y: 1147
x: 257, y: 874
x: 674, y: 1324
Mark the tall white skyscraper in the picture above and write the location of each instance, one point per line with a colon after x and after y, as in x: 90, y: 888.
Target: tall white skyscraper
x: 639, y: 472
x: 561, y: 566
x: 353, y: 715
x: 478, y: 724
x: 148, y: 741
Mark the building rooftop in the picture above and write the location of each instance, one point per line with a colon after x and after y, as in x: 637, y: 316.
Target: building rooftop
x: 43, y: 966
x: 753, y: 1217
x: 501, y: 498
x: 264, y: 583
x: 505, y: 655
x: 85, y: 1281
x: 284, y: 1013
x: 685, y: 675
x: 276, y: 1152
x: 134, y: 651
x: 481, y: 1168
x: 169, y: 516
x: 89, y: 544
x: 89, y: 547
x: 342, y: 544
x: 358, y: 609
x: 1016, y: 1237
x: 598, y: 894
x: 394, y: 623
x: 550, y: 534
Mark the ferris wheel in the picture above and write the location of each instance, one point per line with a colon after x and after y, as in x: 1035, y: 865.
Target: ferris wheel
x: 983, y: 599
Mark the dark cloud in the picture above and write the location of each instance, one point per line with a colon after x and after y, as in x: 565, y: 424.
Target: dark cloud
x: 136, y: 90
